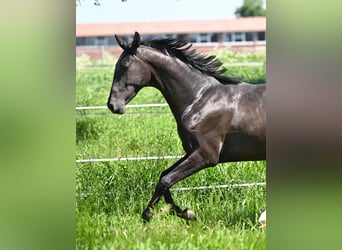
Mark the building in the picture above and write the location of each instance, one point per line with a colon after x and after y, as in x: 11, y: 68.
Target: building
x: 242, y: 34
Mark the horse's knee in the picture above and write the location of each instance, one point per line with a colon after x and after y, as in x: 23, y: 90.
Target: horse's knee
x: 164, y: 183
x: 213, y: 160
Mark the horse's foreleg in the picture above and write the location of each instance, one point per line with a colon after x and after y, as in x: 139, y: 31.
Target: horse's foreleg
x: 185, y: 167
x: 174, y: 209
x: 160, y: 191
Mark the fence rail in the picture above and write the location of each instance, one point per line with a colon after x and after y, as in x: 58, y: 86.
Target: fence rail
x: 138, y: 158
x: 127, y: 106
x: 221, y: 186
x: 83, y: 194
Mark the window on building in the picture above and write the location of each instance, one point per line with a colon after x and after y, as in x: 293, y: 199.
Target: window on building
x: 214, y: 37
x: 100, y: 41
x: 182, y: 37
x: 261, y: 36
x: 250, y: 36
x: 170, y: 36
x: 203, y: 38
x: 111, y: 40
x: 127, y: 39
x: 193, y: 38
x: 90, y: 41
x: 238, y: 37
x: 147, y: 37
x: 227, y: 37
x: 80, y: 41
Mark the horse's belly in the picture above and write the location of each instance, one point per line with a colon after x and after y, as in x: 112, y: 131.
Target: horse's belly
x: 243, y: 147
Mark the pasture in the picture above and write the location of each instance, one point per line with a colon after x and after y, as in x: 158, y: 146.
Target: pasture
x: 110, y: 196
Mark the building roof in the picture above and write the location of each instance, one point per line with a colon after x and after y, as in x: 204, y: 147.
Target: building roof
x: 242, y: 24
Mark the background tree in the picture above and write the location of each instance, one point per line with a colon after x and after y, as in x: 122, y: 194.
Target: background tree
x: 251, y: 8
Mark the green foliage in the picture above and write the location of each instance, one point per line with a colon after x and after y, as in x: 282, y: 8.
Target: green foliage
x: 86, y: 129
x: 112, y: 232
x: 255, y: 74
x: 110, y: 196
x: 251, y: 8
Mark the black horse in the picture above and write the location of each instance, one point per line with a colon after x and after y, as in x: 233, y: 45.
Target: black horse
x: 219, y: 118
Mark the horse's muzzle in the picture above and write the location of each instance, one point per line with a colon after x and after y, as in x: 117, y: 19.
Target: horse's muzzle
x: 116, y: 109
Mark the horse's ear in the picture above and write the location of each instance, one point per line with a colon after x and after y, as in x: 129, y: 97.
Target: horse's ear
x: 121, y: 42
x: 136, y: 41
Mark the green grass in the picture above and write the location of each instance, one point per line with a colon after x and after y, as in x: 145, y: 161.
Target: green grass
x: 164, y: 232
x: 112, y: 195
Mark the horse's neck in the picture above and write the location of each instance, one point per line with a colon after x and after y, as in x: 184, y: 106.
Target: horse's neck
x: 177, y: 82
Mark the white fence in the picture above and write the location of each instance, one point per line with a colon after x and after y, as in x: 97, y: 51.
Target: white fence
x: 127, y: 106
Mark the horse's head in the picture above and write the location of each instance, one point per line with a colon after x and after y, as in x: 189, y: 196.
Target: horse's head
x: 130, y: 75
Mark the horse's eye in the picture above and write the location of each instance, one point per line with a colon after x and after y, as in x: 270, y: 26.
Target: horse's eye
x: 129, y: 85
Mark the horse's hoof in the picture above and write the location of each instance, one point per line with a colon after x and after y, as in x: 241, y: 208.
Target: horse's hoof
x: 147, y: 215
x: 190, y: 214
x: 187, y: 214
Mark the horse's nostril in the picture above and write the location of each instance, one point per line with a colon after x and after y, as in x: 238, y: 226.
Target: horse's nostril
x: 110, y: 106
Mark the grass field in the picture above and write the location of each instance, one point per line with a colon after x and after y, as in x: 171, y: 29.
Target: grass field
x: 112, y: 195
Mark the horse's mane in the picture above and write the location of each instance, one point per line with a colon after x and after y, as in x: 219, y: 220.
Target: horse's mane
x: 209, y: 65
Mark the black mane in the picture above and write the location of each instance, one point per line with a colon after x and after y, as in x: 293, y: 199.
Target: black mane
x: 209, y: 65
